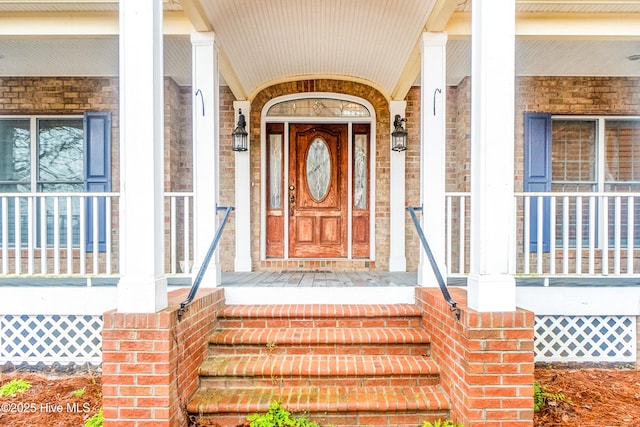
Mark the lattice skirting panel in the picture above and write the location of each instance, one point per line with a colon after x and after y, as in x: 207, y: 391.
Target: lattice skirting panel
x: 49, y: 339
x: 585, y: 339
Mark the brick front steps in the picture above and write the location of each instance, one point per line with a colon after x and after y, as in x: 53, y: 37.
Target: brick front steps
x: 352, y: 365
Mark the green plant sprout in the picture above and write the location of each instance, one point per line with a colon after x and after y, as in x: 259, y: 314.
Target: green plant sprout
x: 277, y: 416
x: 542, y: 398
x: 441, y: 423
x: 96, y: 420
x: 14, y: 387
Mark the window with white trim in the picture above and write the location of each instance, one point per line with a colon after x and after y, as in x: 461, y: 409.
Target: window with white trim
x: 573, y: 154
x: 52, y: 154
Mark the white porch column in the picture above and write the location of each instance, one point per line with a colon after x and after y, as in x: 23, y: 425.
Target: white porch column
x: 397, y: 214
x: 243, y: 194
x: 491, y: 285
x: 433, y: 143
x: 143, y: 286
x: 205, y: 152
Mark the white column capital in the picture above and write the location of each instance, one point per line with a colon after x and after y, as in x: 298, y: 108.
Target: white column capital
x: 203, y: 38
x: 434, y: 39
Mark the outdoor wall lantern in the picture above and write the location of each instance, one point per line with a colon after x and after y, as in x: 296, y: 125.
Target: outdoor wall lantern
x: 239, y: 134
x: 399, y: 135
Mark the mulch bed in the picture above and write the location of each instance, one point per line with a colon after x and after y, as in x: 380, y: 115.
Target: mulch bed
x: 52, y: 401
x: 593, y: 397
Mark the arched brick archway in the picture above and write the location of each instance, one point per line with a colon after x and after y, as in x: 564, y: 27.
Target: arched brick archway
x: 380, y: 151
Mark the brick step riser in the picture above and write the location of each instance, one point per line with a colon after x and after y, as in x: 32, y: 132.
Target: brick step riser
x: 384, y: 322
x: 342, y: 419
x: 421, y: 349
x: 274, y: 334
x: 328, y: 381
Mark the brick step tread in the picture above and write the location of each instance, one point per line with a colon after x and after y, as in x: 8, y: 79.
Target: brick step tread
x: 336, y: 419
x: 321, y: 336
x: 300, y: 366
x: 316, y: 311
x: 319, y: 399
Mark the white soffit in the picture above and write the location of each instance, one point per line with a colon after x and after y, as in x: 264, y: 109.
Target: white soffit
x: 271, y: 41
x: 95, y: 57
x: 555, y: 58
x: 281, y: 40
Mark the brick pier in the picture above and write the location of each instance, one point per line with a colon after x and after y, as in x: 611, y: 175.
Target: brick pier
x: 150, y: 361
x: 486, y: 360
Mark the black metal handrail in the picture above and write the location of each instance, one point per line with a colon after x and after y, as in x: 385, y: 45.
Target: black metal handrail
x: 434, y: 266
x: 205, y: 262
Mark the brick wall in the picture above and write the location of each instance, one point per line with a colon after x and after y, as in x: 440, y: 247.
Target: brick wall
x: 150, y: 361
x: 555, y: 95
x: 65, y: 96
x: 412, y: 175
x: 228, y: 179
x: 40, y: 96
x: 486, y: 360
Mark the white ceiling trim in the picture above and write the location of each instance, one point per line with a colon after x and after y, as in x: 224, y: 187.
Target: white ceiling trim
x: 594, y: 26
x: 80, y: 24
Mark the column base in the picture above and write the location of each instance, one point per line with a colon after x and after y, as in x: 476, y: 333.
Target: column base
x: 426, y: 276
x: 242, y: 264
x: 491, y: 292
x: 212, y: 278
x: 398, y: 264
x: 142, y: 294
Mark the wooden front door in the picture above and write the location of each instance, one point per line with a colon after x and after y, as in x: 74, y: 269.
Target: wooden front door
x: 317, y: 190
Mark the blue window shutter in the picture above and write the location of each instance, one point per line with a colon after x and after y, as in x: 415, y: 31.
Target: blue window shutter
x: 97, y: 170
x: 537, y: 172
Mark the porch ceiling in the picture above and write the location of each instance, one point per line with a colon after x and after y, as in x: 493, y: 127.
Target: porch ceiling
x: 265, y: 42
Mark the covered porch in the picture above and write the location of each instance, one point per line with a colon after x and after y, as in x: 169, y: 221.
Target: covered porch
x: 181, y: 76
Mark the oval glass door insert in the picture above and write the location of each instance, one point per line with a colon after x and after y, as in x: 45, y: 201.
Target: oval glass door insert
x: 318, y: 169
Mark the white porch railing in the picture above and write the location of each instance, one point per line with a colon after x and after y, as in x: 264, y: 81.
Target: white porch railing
x: 180, y: 237
x: 581, y: 233
x: 54, y: 234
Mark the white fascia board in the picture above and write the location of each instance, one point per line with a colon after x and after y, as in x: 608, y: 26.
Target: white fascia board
x: 580, y: 300
x: 89, y: 300
x: 560, y: 25
x: 76, y: 24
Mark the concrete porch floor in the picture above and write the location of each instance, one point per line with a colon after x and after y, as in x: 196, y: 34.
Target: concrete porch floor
x: 315, y: 279
x: 319, y: 287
